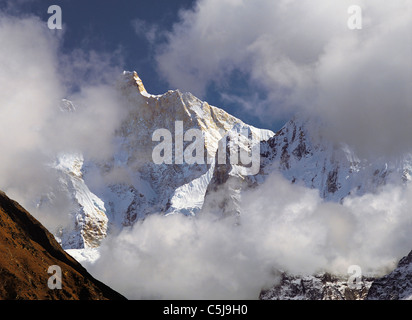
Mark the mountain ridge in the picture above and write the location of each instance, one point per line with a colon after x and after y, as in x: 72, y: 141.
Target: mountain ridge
x: 297, y: 151
x: 28, y: 250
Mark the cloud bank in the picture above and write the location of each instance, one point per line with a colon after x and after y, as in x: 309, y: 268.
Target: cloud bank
x: 282, y: 227
x: 305, y: 58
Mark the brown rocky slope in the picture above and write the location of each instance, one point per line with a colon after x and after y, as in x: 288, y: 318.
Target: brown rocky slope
x: 27, y: 250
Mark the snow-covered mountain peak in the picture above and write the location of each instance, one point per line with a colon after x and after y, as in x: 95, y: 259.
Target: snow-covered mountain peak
x: 150, y: 112
x: 135, y: 186
x: 133, y: 78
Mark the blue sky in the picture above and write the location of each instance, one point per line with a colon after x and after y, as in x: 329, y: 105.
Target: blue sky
x: 107, y: 25
x: 262, y: 60
x: 110, y: 27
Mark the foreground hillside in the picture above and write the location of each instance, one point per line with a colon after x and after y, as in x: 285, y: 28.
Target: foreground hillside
x: 27, y: 250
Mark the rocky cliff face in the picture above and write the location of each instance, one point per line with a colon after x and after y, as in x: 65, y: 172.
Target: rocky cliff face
x: 300, y: 152
x: 323, y: 286
x: 27, y: 250
x: 303, y: 156
x: 396, y: 285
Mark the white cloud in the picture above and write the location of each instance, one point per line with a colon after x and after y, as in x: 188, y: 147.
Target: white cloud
x: 282, y: 226
x: 148, y: 31
x: 176, y: 257
x: 306, y: 59
x: 297, y: 57
x: 370, y: 230
x: 34, y: 76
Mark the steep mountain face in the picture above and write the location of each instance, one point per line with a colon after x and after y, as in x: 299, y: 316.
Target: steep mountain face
x: 297, y: 151
x: 133, y: 185
x: 88, y: 211
x: 178, y: 187
x: 396, y: 285
x: 145, y: 187
x: 27, y: 250
x: 300, y: 153
x: 303, y: 155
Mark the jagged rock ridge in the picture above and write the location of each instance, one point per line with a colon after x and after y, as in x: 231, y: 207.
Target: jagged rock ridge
x: 323, y: 286
x: 396, y: 285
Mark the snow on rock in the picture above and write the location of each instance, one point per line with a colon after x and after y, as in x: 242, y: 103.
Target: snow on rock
x: 89, y: 255
x: 396, y: 285
x: 322, y: 286
x: 89, y: 213
x: 304, y: 156
x: 177, y: 187
x: 131, y: 184
x: 188, y: 199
